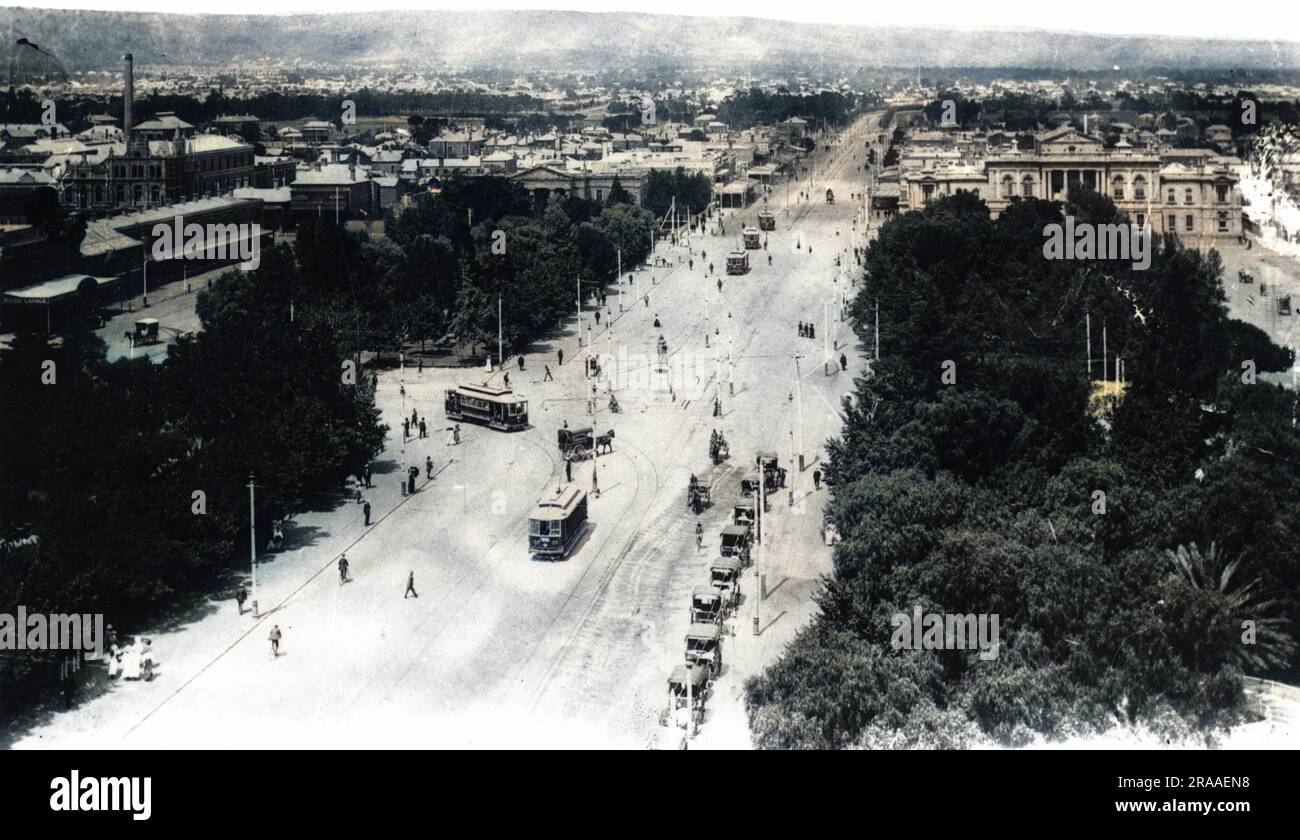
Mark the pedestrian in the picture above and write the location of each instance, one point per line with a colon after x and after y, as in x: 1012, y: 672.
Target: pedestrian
x: 424, y: 433
x: 241, y: 595
x: 657, y: 324
x: 717, y: 407
x: 411, y: 475
x: 568, y: 470
x: 844, y: 362
x: 275, y: 637
x: 647, y: 301
x: 343, y: 568
x: 548, y: 377
x: 410, y: 586
x: 812, y: 330
x: 598, y: 317
x: 365, y: 508
x: 817, y: 479
x: 699, y: 536
x: 374, y: 382
x: 690, y: 264
x: 368, y: 484
x: 719, y: 284
x: 420, y: 369
x: 559, y: 357
x: 507, y: 380
x: 769, y: 259
x: 521, y: 362
x: 401, y: 389
x: 710, y: 268
x: 455, y: 434
x: 415, y: 418
x: 406, y: 428
x: 428, y: 467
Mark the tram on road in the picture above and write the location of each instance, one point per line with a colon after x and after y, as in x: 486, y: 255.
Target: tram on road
x: 738, y: 262
x: 499, y: 408
x: 557, y: 523
x: 753, y: 238
x: 767, y: 220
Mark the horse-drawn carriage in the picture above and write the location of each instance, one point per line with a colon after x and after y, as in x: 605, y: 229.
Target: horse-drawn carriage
x: 773, y: 475
x: 706, y: 605
x: 735, y: 541
x: 719, y: 449
x: 704, y: 647
x: 686, y: 684
x: 743, y: 514
x: 698, y: 495
x: 577, y: 444
x: 724, y: 577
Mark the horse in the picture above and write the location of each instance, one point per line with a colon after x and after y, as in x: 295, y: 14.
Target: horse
x: 606, y: 440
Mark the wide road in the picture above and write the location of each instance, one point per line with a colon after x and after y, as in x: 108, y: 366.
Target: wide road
x: 499, y: 649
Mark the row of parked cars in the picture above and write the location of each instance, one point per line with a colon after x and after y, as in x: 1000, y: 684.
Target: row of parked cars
x: 712, y: 602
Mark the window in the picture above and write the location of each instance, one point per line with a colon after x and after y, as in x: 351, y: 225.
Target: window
x: 1189, y: 222
x: 1188, y: 196
x: 1173, y: 223
x: 1008, y: 187
x: 1139, y: 188
x: 1221, y: 193
x: 1117, y: 187
x: 600, y: 195
x: 1173, y: 198
x: 1027, y: 187
x: 927, y: 190
x: 1223, y: 222
x: 154, y: 195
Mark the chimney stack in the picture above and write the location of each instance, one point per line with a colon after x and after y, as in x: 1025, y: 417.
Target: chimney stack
x: 128, y: 96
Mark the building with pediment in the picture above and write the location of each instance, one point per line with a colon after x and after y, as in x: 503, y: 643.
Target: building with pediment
x: 1195, y: 199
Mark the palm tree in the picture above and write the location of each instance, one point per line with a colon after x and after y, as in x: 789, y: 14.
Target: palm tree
x: 1213, y: 572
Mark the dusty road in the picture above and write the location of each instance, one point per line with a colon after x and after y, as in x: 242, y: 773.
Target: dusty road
x: 498, y: 649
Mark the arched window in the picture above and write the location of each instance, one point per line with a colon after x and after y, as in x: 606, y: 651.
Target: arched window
x: 1117, y: 187
x: 1027, y: 187
x: 1188, y: 196
x: 1008, y: 187
x: 1172, y: 198
x: 1139, y: 188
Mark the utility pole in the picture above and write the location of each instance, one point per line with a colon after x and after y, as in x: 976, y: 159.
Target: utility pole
x: 252, y: 541
x: 877, y: 329
x: 1087, y: 331
x: 336, y: 205
x: 762, y: 550
x: 798, y: 396
x: 144, y: 274
x: 1105, y: 369
x: 500, y: 335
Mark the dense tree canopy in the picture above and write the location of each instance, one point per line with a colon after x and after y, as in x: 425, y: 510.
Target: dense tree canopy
x: 981, y: 497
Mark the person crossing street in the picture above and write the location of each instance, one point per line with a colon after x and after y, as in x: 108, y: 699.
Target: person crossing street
x: 410, y: 586
x: 343, y: 569
x: 275, y: 637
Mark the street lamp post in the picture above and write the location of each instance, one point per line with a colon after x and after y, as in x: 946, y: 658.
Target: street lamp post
x: 252, y: 541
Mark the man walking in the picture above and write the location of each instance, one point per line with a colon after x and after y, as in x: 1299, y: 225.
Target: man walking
x: 343, y: 569
x: 365, y: 508
x: 559, y: 357
x: 410, y: 586
x: 844, y: 362
x: 548, y: 377
x: 406, y: 428
x: 368, y: 484
x: 275, y: 640
x: 241, y: 595
x: 428, y: 467
x: 817, y: 479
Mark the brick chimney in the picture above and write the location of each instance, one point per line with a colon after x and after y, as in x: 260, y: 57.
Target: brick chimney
x: 128, y: 95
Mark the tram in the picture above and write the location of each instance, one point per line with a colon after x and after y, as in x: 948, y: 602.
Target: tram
x: 499, y: 408
x: 557, y: 523
x: 766, y: 220
x: 738, y: 262
x: 753, y: 238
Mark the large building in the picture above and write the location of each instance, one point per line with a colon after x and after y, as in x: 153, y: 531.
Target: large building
x: 159, y: 161
x: 1197, y: 198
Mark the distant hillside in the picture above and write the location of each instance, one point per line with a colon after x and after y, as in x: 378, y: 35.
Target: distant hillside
x: 544, y: 41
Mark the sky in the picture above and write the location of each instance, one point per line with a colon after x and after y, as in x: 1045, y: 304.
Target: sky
x: 1269, y: 19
